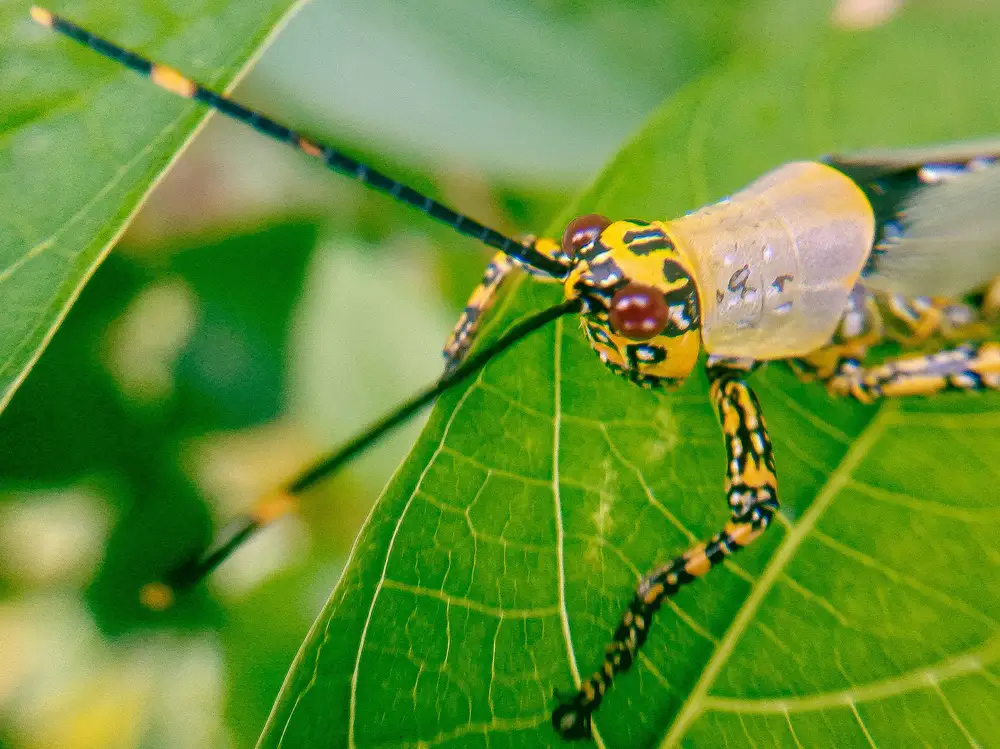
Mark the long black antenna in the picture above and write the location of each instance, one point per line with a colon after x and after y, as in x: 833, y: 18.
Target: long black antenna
x: 161, y: 594
x: 173, y: 81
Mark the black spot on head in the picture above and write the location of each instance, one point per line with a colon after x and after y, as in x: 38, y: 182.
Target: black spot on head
x: 648, y: 246
x: 645, y: 241
x: 679, y: 296
x: 687, y: 297
x: 672, y: 271
x: 644, y: 354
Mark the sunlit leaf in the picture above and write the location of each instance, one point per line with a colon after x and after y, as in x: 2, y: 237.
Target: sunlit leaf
x: 498, y: 561
x: 83, y: 141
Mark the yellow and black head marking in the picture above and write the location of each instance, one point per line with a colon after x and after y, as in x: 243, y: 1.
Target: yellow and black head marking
x: 641, y: 309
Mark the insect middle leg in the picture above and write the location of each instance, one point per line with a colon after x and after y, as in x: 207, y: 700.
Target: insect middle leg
x: 969, y: 367
x: 872, y: 317
x: 752, y: 494
x: 914, y: 321
x: 484, y: 295
x: 966, y: 366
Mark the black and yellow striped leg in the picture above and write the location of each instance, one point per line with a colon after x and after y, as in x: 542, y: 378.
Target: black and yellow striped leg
x: 480, y: 301
x: 968, y: 367
x: 484, y: 295
x: 912, y: 321
x: 752, y: 495
x: 872, y: 317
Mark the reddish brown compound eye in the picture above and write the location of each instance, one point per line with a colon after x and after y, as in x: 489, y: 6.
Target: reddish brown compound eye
x: 582, y: 231
x: 639, y: 312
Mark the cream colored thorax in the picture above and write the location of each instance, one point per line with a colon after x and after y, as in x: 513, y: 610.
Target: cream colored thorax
x: 775, y: 263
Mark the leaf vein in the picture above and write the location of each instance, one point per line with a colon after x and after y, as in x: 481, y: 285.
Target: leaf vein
x: 901, y: 577
x: 928, y: 506
x: 467, y: 603
x: 973, y: 661
x: 353, y: 707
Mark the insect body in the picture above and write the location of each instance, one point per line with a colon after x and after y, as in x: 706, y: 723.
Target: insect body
x: 764, y: 274
x: 812, y: 264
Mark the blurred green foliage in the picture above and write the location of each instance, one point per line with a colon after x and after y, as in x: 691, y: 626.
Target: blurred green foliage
x: 248, y: 322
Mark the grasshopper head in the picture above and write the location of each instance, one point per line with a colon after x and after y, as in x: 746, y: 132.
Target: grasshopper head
x: 641, y: 311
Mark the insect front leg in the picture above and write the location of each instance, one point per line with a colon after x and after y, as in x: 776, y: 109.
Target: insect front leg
x: 752, y: 495
x: 969, y: 367
x: 463, y: 335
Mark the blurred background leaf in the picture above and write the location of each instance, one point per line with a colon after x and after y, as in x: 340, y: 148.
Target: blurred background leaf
x: 224, y: 344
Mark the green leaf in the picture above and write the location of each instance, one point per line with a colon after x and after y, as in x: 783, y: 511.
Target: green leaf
x: 496, y: 564
x: 481, y: 62
x: 84, y: 141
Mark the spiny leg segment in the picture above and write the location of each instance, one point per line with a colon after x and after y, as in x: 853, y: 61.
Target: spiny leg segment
x: 873, y: 317
x: 463, y: 336
x: 464, y: 333
x: 173, y: 81
x: 967, y: 367
x: 752, y: 495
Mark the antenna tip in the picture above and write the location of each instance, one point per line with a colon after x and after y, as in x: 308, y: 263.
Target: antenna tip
x: 156, y: 596
x: 42, y: 16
